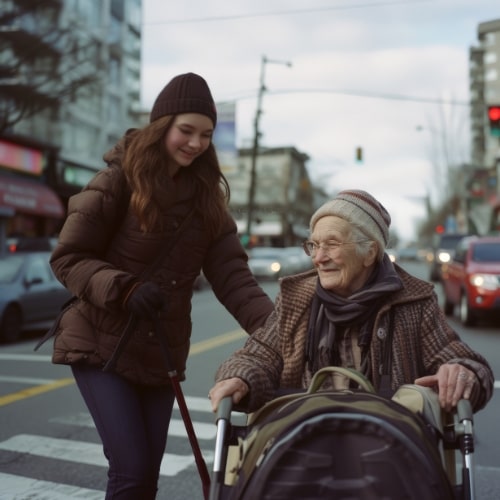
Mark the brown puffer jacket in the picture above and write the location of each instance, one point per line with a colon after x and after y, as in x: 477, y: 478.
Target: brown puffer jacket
x: 101, y: 252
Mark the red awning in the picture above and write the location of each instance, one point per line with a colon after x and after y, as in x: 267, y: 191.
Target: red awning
x: 30, y: 197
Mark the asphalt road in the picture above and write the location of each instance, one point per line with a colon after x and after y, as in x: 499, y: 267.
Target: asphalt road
x: 49, y: 448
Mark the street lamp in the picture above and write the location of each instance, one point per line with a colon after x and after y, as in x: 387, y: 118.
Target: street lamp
x: 255, y: 147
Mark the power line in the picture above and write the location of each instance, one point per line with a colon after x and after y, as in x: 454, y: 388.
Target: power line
x: 280, y: 13
x: 370, y: 95
x: 397, y: 97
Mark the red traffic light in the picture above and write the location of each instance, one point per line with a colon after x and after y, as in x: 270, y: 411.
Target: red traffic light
x: 494, y: 113
x: 440, y: 229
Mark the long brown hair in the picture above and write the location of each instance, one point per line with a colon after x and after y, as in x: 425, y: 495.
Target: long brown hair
x: 145, y: 167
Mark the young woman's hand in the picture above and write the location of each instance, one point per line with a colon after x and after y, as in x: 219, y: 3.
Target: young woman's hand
x: 146, y: 300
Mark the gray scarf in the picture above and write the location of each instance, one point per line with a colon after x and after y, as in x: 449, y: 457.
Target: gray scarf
x: 329, y: 311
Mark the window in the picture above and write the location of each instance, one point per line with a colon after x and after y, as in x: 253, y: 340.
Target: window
x: 491, y: 75
x: 486, y: 252
x: 114, y: 71
x: 490, y: 58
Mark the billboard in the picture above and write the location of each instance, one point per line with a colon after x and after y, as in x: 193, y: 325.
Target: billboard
x: 224, y: 138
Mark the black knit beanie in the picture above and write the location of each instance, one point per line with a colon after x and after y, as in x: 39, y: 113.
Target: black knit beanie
x: 187, y: 93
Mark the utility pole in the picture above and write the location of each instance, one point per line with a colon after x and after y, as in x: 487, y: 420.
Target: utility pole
x: 256, y: 137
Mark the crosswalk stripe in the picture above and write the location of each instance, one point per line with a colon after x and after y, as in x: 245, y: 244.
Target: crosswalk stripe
x: 195, y: 403
x: 20, y: 487
x: 176, y: 428
x: 87, y: 453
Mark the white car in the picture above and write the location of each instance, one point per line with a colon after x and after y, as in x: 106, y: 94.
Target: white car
x: 268, y: 262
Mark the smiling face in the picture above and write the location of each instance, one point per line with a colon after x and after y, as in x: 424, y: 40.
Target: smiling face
x: 342, y: 269
x: 187, y: 138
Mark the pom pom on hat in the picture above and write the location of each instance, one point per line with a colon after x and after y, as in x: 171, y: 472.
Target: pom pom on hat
x: 360, y: 208
x: 186, y: 93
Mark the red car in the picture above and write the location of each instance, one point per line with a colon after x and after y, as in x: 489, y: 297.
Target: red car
x: 471, y: 280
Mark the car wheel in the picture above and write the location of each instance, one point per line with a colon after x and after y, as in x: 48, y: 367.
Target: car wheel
x: 10, y: 328
x: 448, y: 307
x: 466, y: 315
x: 434, y: 276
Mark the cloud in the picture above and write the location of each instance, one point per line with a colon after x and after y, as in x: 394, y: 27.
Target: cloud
x: 351, y: 69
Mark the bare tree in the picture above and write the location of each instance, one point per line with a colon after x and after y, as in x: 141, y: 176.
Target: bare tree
x: 41, y: 64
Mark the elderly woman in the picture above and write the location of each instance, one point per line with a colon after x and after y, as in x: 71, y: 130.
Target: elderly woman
x: 357, y: 310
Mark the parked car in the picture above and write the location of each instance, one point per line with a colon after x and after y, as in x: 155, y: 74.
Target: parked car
x: 30, y: 295
x: 298, y: 260
x: 443, y: 252
x: 32, y: 244
x: 409, y: 254
x: 392, y: 253
x: 268, y: 262
x: 471, y: 281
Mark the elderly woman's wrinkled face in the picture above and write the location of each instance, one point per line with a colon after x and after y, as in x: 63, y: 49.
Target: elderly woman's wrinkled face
x: 340, y: 267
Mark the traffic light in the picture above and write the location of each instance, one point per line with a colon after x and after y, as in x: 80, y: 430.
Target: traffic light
x: 494, y: 117
x: 439, y: 229
x: 359, y: 155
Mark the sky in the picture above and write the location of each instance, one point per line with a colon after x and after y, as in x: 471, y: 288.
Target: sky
x: 390, y: 77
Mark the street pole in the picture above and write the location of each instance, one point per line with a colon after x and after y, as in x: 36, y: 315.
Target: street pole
x: 255, y: 147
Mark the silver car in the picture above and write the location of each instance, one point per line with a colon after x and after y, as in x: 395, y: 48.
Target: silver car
x: 30, y: 295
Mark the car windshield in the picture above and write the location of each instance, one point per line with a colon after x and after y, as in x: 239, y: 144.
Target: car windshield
x: 450, y: 242
x: 486, y: 252
x: 265, y: 253
x: 9, y: 268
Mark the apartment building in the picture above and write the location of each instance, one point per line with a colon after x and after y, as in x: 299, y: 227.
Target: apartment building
x: 283, y: 197
x: 484, y: 78
x: 45, y: 46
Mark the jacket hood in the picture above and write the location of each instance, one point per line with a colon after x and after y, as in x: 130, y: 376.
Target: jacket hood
x: 116, y: 153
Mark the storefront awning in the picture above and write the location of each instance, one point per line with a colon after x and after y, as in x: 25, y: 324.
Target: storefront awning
x: 30, y: 197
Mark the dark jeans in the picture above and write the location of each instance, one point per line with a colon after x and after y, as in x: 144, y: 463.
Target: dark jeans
x: 132, y: 422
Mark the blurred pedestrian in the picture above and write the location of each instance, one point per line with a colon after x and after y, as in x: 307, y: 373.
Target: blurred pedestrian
x: 163, y: 187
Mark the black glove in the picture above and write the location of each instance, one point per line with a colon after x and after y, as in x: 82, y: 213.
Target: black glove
x: 146, y: 300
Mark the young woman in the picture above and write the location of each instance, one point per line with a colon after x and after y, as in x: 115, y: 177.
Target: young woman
x: 163, y: 188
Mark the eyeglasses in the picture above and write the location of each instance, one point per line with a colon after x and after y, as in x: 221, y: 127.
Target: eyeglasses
x: 311, y: 247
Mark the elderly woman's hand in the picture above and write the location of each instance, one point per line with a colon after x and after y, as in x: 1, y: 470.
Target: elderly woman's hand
x: 234, y: 387
x: 452, y: 381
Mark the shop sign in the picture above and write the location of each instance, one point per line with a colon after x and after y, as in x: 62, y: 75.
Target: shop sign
x: 20, y: 158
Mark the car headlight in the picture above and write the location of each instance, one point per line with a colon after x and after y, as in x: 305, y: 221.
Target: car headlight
x: 485, y: 281
x: 275, y: 267
x: 444, y: 257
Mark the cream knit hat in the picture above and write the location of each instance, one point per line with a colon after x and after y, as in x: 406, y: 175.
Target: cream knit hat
x: 361, y: 209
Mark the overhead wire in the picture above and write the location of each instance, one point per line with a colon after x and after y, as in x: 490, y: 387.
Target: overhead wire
x: 309, y: 10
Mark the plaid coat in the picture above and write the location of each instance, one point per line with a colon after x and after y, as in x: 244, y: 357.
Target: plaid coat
x: 274, y: 356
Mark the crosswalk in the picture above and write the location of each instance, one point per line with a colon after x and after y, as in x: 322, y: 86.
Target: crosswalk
x: 40, y: 447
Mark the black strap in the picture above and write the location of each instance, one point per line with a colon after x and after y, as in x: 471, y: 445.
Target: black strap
x: 131, y: 322
x: 132, y: 319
